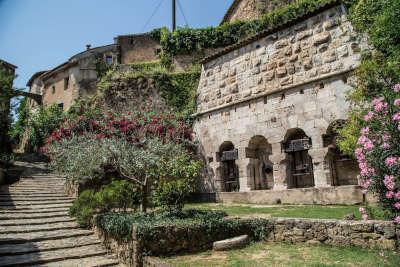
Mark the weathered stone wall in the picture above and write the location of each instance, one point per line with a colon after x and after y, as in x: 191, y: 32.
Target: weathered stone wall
x: 137, y: 48
x: 365, y: 234
x: 253, y: 9
x: 295, y: 78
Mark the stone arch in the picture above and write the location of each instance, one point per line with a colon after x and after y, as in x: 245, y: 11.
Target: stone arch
x: 299, y: 169
x: 260, y: 167
x: 228, y: 170
x: 342, y: 169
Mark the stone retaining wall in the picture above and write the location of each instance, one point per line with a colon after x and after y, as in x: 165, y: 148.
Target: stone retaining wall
x: 175, y: 240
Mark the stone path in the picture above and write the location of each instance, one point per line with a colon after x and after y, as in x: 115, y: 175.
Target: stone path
x: 35, y: 229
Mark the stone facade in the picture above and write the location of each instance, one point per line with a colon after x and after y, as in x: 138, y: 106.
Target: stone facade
x: 137, y: 48
x: 268, y: 108
x: 251, y: 9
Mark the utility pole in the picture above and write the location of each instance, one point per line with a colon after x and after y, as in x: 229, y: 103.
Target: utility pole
x: 173, y: 15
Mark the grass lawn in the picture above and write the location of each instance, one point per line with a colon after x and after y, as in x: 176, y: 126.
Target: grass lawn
x: 299, y: 211
x: 272, y: 254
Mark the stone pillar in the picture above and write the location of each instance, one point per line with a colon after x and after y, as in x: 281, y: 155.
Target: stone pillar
x: 279, y: 167
x: 242, y: 164
x: 321, y: 177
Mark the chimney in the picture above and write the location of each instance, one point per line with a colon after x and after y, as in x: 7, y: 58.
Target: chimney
x: 88, y: 46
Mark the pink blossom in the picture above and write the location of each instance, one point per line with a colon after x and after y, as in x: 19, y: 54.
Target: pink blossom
x: 369, y: 116
x: 386, y: 137
x: 365, y: 183
x: 365, y: 217
x: 396, y: 117
x: 362, y: 210
x: 397, y: 219
x: 397, y: 102
x: 389, y: 194
x: 385, y: 146
x: 389, y: 183
x: 379, y: 104
x: 396, y: 88
x: 391, y: 161
x: 369, y: 145
x: 397, y: 205
x: 397, y: 195
x: 365, y: 131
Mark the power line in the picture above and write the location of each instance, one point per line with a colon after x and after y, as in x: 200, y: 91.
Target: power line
x: 152, y: 15
x: 183, y: 13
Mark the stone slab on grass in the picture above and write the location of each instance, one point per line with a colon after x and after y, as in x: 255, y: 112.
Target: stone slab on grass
x: 232, y: 243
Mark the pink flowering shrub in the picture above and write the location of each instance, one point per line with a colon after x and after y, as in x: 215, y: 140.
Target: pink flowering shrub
x: 378, y: 152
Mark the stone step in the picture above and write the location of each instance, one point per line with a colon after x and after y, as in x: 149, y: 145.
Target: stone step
x: 36, y: 203
x: 41, y: 236
x: 48, y: 245
x: 39, y: 188
x: 37, y: 221
x: 38, y: 228
x: 34, y: 215
x: 33, y: 199
x: 99, y: 261
x: 3, y: 194
x: 40, y: 211
x: 12, y: 191
x: 37, y: 207
x: 43, y: 257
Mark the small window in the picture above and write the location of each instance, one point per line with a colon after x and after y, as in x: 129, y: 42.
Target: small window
x: 53, y: 89
x: 109, y: 60
x: 66, y: 83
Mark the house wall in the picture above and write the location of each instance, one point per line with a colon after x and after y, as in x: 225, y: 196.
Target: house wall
x: 296, y: 78
x: 253, y: 9
x: 137, y: 48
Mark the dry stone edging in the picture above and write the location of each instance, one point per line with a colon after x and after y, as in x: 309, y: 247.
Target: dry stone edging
x: 36, y: 230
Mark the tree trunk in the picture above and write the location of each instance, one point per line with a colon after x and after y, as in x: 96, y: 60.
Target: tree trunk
x: 143, y: 206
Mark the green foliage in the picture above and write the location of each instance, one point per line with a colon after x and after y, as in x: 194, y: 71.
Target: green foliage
x: 380, y: 67
x: 117, y: 196
x: 19, y: 127
x: 172, y: 195
x: 43, y: 123
x: 145, y: 67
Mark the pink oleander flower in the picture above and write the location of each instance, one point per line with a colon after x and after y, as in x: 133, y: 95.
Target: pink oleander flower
x: 386, y: 137
x: 369, y: 116
x: 365, y: 131
x: 396, y: 88
x: 397, y: 102
x: 362, y: 140
x: 391, y: 161
x: 362, y: 210
x: 397, y: 205
x: 385, y: 146
x: 388, y: 182
x: 365, y: 217
x: 365, y: 183
x: 397, y: 195
x: 389, y: 194
x: 369, y: 145
x: 396, y: 117
x: 379, y: 104
x: 397, y: 219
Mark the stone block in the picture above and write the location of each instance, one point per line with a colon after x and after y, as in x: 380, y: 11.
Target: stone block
x: 281, y: 72
x: 281, y: 44
x: 343, y: 51
x: 307, y: 63
x: 269, y: 75
x: 304, y: 34
x: 322, y: 38
x: 287, y: 80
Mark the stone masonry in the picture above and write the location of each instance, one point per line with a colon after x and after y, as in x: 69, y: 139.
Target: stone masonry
x: 287, y: 84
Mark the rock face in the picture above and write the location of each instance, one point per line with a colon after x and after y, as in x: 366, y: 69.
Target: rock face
x: 232, y: 243
x: 35, y: 228
x: 285, y: 82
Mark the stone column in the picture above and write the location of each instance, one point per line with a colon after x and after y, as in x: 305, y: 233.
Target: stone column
x: 242, y: 164
x: 321, y: 177
x: 279, y: 167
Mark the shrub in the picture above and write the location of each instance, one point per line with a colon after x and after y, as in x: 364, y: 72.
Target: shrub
x: 172, y: 195
x: 117, y: 196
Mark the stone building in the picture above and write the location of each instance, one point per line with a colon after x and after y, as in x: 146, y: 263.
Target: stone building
x: 5, y: 105
x: 269, y: 108
x: 76, y: 78
x: 251, y: 9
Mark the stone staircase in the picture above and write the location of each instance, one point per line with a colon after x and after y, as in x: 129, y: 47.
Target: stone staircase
x: 35, y: 229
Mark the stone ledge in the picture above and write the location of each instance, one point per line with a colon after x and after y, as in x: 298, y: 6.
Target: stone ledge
x: 231, y: 243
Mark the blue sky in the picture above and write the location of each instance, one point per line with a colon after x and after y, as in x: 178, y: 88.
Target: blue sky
x: 40, y: 34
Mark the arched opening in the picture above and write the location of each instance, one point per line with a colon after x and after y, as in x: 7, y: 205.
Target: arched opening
x: 343, y: 169
x: 299, y: 163
x: 228, y: 170
x: 260, y: 168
